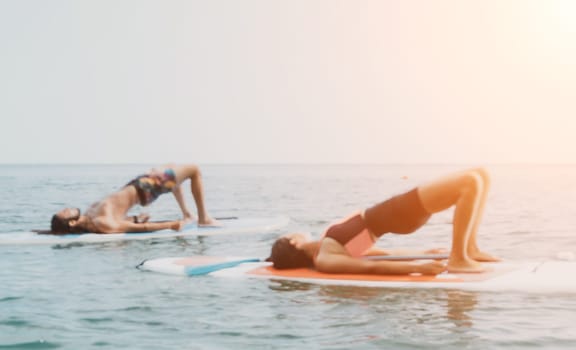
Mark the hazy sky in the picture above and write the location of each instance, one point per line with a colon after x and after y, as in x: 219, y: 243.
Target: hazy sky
x: 288, y: 81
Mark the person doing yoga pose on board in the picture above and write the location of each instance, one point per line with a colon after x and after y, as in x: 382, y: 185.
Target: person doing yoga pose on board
x: 109, y: 215
x: 340, y: 248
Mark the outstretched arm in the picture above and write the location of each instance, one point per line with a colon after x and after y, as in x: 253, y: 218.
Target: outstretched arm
x: 129, y: 226
x: 339, y: 263
x: 375, y: 251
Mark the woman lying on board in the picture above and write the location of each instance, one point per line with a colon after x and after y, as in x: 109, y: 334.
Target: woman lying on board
x: 109, y: 214
x: 343, y: 243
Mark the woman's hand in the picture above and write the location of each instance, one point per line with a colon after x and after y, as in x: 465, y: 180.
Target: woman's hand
x: 432, y: 268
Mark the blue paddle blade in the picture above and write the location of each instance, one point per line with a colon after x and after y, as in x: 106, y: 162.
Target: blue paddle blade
x: 206, y: 269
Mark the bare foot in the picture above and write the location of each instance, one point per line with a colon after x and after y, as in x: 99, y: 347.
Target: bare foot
x: 483, y: 257
x: 465, y: 266
x: 208, y: 221
x: 188, y: 218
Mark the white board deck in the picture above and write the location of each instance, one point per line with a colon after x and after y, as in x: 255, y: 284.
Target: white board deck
x: 226, y: 227
x: 544, y: 276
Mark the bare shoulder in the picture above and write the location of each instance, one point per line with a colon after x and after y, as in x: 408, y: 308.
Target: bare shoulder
x: 331, y: 246
x: 327, y: 251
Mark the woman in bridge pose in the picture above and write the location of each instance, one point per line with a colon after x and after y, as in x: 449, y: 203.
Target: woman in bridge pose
x: 340, y: 248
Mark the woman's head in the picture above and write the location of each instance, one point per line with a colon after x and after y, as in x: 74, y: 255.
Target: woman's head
x: 288, y: 253
x: 65, y: 221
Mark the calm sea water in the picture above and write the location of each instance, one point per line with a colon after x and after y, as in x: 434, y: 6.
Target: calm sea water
x: 92, y: 296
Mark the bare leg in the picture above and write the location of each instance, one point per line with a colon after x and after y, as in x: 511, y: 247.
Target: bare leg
x: 464, y: 190
x: 193, y: 173
x: 473, y: 250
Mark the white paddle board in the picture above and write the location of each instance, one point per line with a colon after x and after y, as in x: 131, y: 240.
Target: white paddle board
x: 544, y: 276
x: 225, y: 227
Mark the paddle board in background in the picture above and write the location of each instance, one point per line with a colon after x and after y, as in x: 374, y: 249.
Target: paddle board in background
x: 226, y: 226
x: 545, y: 276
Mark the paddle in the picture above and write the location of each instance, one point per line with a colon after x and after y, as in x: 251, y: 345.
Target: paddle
x: 227, y: 218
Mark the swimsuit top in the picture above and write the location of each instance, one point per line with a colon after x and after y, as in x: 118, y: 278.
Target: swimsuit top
x: 150, y: 186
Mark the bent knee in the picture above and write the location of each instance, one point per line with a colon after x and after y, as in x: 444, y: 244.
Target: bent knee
x: 471, y: 182
x: 483, y: 173
x: 184, y: 172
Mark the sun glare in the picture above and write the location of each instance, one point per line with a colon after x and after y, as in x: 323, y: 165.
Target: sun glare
x: 553, y: 17
x: 563, y: 14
